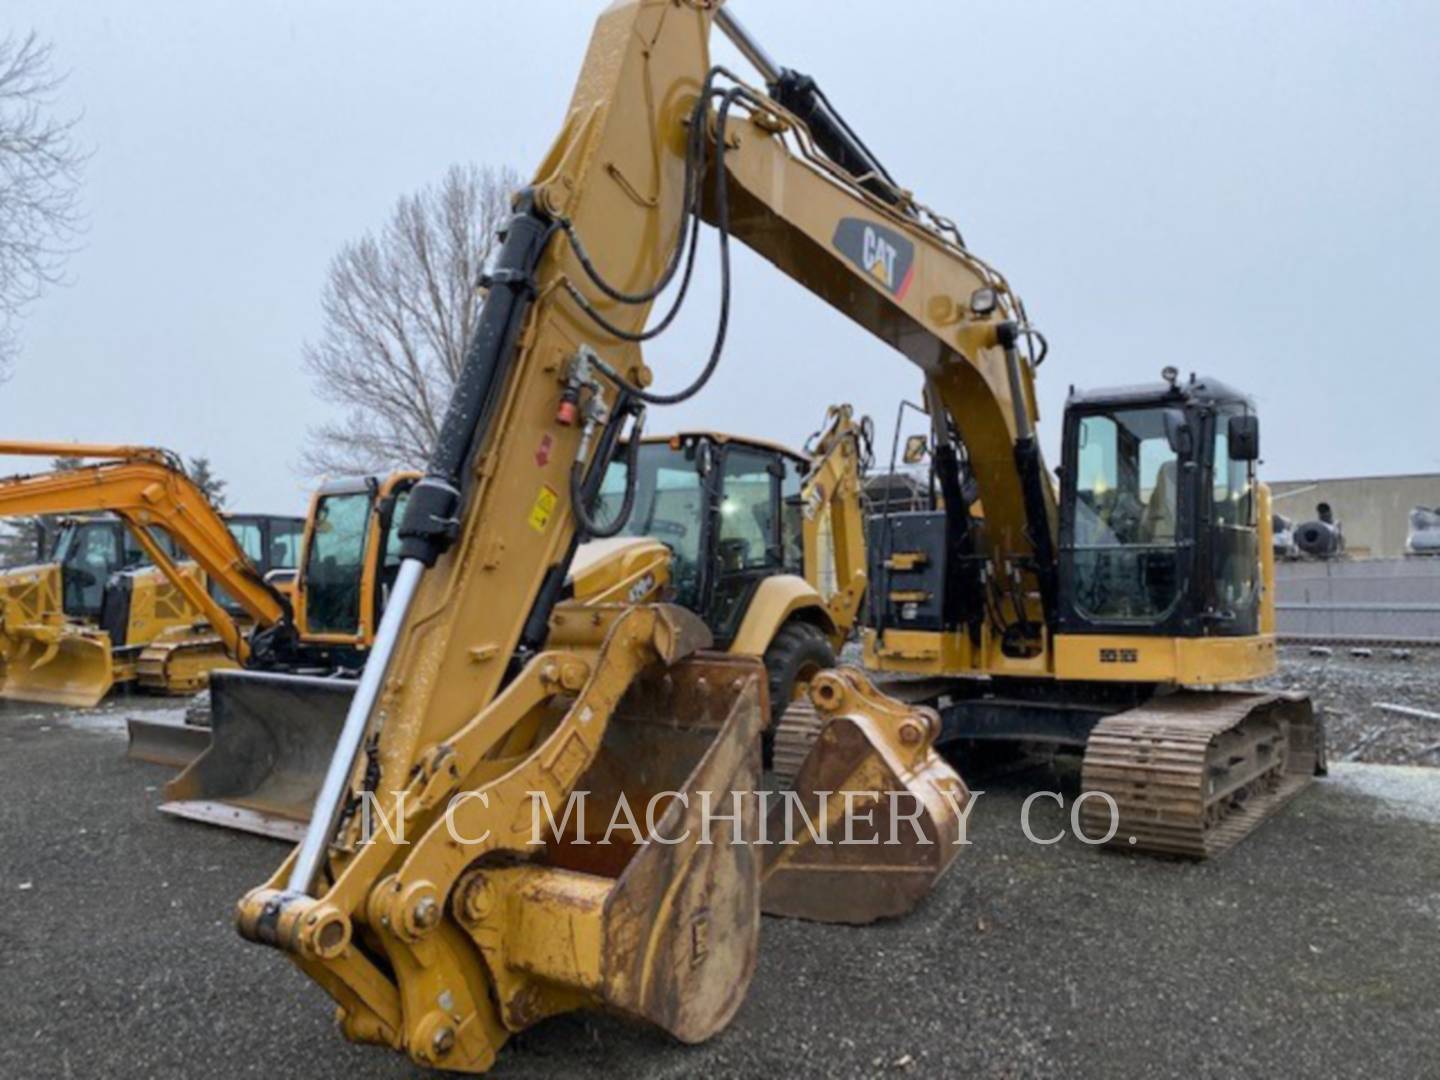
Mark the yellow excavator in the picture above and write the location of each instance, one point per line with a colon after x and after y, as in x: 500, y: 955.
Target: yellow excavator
x: 421, y: 900
x: 112, y: 605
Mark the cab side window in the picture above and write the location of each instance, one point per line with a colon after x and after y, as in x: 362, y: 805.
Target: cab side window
x: 747, y: 535
x: 792, y: 518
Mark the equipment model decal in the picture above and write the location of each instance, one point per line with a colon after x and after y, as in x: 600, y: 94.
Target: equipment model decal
x: 882, y: 253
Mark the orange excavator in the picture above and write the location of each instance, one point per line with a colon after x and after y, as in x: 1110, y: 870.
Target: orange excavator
x: 72, y: 629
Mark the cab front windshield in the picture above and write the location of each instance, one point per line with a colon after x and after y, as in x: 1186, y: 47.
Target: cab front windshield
x: 668, y: 507
x: 1124, y: 556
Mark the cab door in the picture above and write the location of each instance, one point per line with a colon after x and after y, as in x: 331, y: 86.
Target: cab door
x: 747, y: 546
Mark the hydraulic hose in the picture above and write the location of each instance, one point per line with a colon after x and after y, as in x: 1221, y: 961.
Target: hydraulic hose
x: 582, y: 493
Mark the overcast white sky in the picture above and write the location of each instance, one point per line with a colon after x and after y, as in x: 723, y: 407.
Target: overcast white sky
x: 1247, y: 189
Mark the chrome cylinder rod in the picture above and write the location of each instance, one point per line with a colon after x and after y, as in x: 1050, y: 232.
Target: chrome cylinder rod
x: 752, y: 50
x: 331, y: 800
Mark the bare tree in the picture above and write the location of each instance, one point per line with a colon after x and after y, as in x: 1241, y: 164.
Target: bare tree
x: 399, y: 309
x: 39, y: 180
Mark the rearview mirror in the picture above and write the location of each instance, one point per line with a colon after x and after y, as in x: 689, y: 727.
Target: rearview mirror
x: 1243, y: 438
x: 916, y: 447
x: 1177, y: 433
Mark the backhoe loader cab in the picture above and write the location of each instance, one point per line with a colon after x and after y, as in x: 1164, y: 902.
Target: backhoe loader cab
x: 729, y: 509
x: 342, y: 589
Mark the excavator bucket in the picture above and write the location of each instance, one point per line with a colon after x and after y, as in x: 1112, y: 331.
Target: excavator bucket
x: 665, y: 931
x: 271, y: 739
x: 875, y: 815
x: 57, y: 665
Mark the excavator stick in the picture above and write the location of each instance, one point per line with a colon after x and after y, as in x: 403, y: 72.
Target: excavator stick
x: 271, y: 739
x: 56, y: 665
x: 1192, y: 774
x: 875, y: 816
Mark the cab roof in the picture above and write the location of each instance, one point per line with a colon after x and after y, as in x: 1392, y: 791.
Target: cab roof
x: 1196, y: 390
x: 722, y: 438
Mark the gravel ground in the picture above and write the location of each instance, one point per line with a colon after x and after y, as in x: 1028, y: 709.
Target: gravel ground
x: 1309, y: 949
x: 1350, y: 687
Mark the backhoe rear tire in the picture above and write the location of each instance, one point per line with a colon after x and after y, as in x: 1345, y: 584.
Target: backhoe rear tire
x: 798, y: 652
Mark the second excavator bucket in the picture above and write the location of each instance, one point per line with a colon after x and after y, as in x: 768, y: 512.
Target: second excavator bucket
x: 271, y: 739
x: 875, y: 815
x: 56, y: 665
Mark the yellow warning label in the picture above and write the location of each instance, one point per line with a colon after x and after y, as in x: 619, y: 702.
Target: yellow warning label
x: 544, y: 507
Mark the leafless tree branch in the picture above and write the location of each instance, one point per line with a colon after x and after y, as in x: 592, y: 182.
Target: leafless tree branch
x: 399, y: 308
x: 40, y: 165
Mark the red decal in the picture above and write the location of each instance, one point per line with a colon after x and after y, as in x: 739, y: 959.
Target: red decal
x: 542, y: 455
x: 905, y: 285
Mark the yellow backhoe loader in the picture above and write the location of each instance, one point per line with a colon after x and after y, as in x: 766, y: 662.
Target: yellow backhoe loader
x: 111, y: 605
x: 420, y: 898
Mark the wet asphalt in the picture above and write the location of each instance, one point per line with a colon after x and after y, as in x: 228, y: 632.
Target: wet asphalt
x: 1311, y: 949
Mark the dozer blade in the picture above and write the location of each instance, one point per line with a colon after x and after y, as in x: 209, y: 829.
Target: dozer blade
x: 67, y: 666
x: 165, y: 742
x: 1192, y: 774
x: 875, y: 816
x: 271, y: 739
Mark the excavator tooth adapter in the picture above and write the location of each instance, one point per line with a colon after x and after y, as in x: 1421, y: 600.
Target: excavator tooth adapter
x: 640, y: 895
x: 1192, y: 774
x: 875, y: 815
x: 271, y: 738
x: 57, y: 664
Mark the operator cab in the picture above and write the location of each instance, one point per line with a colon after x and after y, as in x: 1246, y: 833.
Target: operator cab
x: 728, y: 509
x: 90, y: 551
x: 341, y: 595
x: 1158, y: 529
x: 271, y: 543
